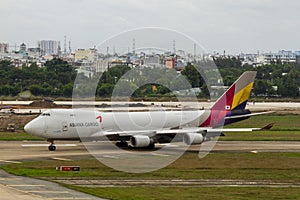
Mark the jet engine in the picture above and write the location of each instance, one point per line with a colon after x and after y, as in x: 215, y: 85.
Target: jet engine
x: 193, y: 138
x: 140, y: 141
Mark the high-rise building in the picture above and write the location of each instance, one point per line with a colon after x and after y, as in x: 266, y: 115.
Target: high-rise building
x: 298, y: 59
x: 4, y: 47
x: 49, y: 47
x: 23, y: 47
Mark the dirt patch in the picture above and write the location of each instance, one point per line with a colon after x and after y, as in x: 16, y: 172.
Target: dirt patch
x: 43, y: 104
x: 19, y: 121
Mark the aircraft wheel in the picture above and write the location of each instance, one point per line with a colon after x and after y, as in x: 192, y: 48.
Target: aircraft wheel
x: 122, y: 144
x: 52, y: 148
x: 151, y: 146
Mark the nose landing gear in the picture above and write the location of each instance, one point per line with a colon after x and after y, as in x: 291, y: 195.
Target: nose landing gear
x: 52, y: 146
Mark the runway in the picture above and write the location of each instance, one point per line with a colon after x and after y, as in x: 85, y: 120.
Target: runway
x: 14, y: 187
x: 22, y: 151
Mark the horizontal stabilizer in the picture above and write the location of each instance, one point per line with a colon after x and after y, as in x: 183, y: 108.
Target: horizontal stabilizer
x: 248, y: 115
x: 268, y: 127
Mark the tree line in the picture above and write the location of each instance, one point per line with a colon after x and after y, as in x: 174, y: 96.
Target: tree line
x: 273, y: 80
x: 57, y: 78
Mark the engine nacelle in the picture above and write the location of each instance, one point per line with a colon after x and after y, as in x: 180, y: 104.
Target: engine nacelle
x: 193, y: 138
x: 140, y: 141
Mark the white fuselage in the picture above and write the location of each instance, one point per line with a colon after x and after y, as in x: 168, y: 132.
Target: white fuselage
x: 76, y: 123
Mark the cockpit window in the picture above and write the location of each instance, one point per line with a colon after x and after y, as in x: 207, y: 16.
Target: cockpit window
x: 45, y: 114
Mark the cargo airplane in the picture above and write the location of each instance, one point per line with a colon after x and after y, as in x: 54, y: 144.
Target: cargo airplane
x: 145, y: 129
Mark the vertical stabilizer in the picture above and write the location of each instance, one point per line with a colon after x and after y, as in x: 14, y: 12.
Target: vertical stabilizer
x: 235, y: 98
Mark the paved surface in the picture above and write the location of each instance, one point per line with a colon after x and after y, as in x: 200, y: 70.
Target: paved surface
x: 252, y: 146
x: 260, y: 106
x: 13, y: 187
x: 20, y: 151
x: 22, y: 188
x: 179, y: 182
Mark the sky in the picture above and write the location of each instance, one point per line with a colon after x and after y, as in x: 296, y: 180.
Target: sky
x: 233, y: 25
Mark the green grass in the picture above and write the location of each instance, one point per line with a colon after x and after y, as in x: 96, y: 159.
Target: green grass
x: 272, y: 135
x: 286, y: 128
x: 270, y: 166
x: 288, y: 122
x: 282, y: 167
x: 192, y: 193
x: 16, y: 136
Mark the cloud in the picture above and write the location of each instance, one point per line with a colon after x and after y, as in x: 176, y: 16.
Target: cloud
x: 236, y: 25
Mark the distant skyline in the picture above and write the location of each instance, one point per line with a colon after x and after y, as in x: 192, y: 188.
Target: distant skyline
x: 233, y: 25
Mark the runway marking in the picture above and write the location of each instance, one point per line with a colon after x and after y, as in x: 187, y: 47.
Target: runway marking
x: 169, y: 145
x: 8, y: 161
x: 8, y: 179
x: 113, y: 157
x: 26, y: 185
x: 46, y: 145
x: 157, y: 154
x: 66, y: 198
x: 62, y: 159
x: 50, y: 192
x: 34, y: 145
x: 254, y: 152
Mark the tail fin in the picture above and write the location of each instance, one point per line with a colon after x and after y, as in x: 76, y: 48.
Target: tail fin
x: 235, y: 98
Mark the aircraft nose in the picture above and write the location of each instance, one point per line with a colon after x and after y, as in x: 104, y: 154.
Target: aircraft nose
x: 35, y: 127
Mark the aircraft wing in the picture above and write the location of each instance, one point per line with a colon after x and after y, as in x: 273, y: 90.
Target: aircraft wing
x: 213, y: 130
x: 123, y: 133
x: 151, y: 133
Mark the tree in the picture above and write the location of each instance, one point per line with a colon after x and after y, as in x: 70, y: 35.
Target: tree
x: 105, y: 90
x: 260, y: 87
x: 288, y: 88
x: 193, y: 76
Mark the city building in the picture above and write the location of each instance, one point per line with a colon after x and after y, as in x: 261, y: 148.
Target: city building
x: 23, y: 47
x: 280, y: 57
x: 49, y: 47
x: 85, y: 54
x: 152, y: 61
x: 170, y: 63
x: 4, y: 47
x: 298, y: 59
x: 250, y: 59
x: 268, y: 58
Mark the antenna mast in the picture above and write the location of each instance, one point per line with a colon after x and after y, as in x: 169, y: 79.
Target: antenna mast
x: 65, y: 45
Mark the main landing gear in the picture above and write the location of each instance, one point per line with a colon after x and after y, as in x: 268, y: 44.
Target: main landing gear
x: 52, y: 146
x: 151, y: 146
x: 122, y: 144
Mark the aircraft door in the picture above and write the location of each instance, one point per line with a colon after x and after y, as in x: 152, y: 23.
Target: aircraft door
x: 64, y: 126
